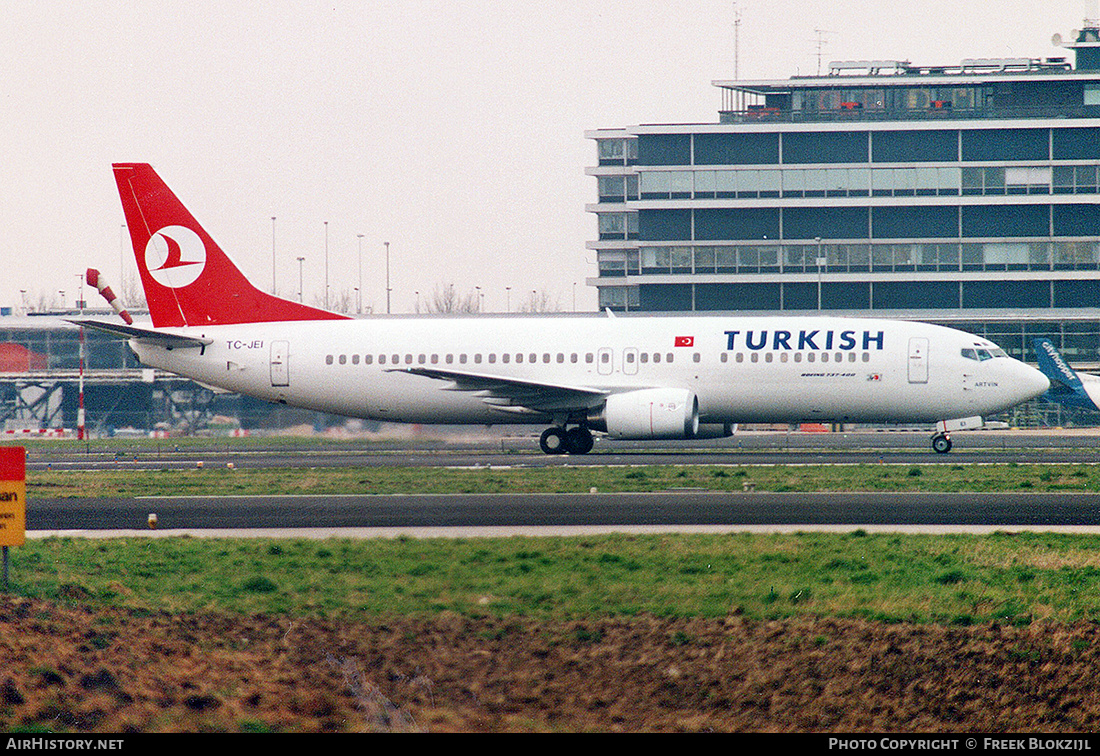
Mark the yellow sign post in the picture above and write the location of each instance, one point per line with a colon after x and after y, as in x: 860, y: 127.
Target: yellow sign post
x: 13, y: 500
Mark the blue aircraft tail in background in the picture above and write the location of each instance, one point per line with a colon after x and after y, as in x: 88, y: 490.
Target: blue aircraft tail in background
x: 1066, y: 386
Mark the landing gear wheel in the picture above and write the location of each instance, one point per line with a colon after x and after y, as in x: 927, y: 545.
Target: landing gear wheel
x: 941, y: 443
x: 552, y: 441
x: 578, y: 440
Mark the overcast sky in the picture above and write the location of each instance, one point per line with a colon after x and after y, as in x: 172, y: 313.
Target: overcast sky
x: 453, y: 130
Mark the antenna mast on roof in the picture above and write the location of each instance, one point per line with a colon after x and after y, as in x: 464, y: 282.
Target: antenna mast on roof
x: 821, y: 42
x: 736, y: 41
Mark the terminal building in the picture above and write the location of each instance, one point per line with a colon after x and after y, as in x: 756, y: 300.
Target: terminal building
x: 966, y: 195
x: 45, y: 362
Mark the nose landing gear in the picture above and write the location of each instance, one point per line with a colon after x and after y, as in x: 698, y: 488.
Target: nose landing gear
x: 558, y: 440
x: 941, y: 443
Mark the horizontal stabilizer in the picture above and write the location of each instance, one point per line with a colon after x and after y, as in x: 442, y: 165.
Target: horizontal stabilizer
x: 1067, y: 386
x: 145, y: 335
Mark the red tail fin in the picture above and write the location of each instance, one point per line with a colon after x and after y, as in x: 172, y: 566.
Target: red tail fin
x: 188, y: 279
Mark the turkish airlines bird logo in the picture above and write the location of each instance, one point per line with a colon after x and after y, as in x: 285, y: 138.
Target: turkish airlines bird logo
x: 175, y: 256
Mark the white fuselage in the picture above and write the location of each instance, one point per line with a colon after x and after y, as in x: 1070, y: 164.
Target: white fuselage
x: 742, y: 369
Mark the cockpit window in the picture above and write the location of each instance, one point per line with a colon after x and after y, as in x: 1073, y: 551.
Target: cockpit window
x: 981, y: 355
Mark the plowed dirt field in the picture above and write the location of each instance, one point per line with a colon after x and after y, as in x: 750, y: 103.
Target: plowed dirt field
x: 69, y: 668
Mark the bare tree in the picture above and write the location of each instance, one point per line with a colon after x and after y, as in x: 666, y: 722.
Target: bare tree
x: 133, y: 294
x: 43, y: 301
x: 540, y: 301
x: 446, y: 300
x: 343, y: 302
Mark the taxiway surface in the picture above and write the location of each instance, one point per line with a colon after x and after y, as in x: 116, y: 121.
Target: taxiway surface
x: 674, y: 509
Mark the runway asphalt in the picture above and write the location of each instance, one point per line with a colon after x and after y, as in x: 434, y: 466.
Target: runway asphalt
x: 669, y: 510
x: 566, y: 513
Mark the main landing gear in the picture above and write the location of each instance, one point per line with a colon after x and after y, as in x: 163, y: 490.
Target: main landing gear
x: 941, y: 443
x: 558, y: 440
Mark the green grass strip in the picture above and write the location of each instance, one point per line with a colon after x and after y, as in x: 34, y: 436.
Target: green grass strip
x: 955, y: 579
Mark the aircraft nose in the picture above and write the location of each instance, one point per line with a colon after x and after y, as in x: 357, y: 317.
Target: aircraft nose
x: 1032, y: 382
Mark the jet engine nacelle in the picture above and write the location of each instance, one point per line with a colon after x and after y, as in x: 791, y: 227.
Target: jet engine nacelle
x: 649, y: 414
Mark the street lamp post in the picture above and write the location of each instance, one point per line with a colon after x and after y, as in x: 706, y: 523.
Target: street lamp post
x: 300, y: 261
x: 820, y: 268
x: 359, y: 305
x: 326, y: 265
x: 80, y: 389
x: 272, y: 254
x: 388, y: 290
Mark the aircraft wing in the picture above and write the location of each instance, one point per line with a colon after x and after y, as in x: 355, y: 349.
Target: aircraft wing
x: 146, y: 335
x: 514, y: 394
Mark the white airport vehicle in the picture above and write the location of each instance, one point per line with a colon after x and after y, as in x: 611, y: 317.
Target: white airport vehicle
x: 628, y: 377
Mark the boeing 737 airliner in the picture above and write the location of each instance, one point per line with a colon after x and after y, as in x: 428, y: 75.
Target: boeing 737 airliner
x: 627, y: 377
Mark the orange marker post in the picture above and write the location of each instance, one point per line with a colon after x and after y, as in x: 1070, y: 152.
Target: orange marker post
x: 13, y: 500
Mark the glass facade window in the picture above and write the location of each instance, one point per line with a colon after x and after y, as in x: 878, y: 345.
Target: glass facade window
x: 618, y: 297
x: 666, y: 184
x: 915, y: 146
x: 617, y: 188
x: 664, y: 149
x: 825, y: 147
x: 58, y: 348
x: 1076, y: 143
x: 612, y: 151
x: 978, y: 145
x: 736, y: 149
